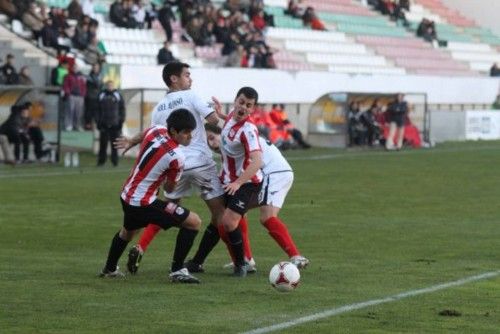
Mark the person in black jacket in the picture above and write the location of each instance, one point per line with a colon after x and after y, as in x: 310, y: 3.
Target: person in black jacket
x: 13, y: 128
x: 397, y: 113
x: 9, y: 72
x: 110, y: 118
x: 165, y: 56
x: 94, y: 88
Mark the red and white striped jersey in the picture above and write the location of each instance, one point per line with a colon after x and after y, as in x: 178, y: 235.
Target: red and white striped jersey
x: 238, y: 139
x: 159, y: 159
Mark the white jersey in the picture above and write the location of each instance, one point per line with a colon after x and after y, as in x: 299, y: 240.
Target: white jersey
x: 238, y: 139
x: 272, y: 159
x: 197, y: 153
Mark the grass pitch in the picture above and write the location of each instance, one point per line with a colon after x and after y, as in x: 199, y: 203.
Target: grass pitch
x: 373, y: 224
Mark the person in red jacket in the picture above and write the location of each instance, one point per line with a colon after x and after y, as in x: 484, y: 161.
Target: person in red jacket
x: 73, y: 94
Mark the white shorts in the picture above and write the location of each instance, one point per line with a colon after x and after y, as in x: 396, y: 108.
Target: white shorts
x: 192, y: 179
x: 275, y: 187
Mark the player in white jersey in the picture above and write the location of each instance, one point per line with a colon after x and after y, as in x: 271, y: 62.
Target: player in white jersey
x: 160, y: 160
x: 200, y: 170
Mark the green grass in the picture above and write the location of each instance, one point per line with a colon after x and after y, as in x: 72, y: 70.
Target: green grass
x: 373, y: 224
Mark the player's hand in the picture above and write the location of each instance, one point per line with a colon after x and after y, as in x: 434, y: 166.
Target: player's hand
x: 122, y: 142
x: 232, y: 187
x: 218, y: 108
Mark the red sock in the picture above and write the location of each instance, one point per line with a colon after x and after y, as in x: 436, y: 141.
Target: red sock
x: 148, y: 235
x: 224, y: 237
x: 244, y: 234
x: 279, y: 232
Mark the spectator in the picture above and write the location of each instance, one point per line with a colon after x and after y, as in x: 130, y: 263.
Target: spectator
x: 33, y: 20
x: 75, y: 10
x: 9, y: 8
x: 279, y: 117
x: 355, y: 127
x: 34, y: 132
x: 165, y: 15
x: 496, y: 104
x: 495, y: 70
x: 165, y: 55
x: 9, y: 73
x: 294, y: 9
x: 110, y: 118
x: 397, y: 112
x: 94, y: 87
x: 369, y: 120
x: 59, y: 73
x: 258, y: 20
x: 24, y: 77
x: 81, y: 37
x: 310, y: 19
x: 74, y: 91
x: 94, y: 53
x: 88, y: 8
x: 139, y: 13
x: 151, y: 15
x: 13, y: 128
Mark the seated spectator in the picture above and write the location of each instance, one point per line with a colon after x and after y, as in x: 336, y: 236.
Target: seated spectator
x: 260, y: 117
x: 258, y: 20
x: 294, y: 9
x: 82, y: 36
x: 75, y: 10
x: 94, y: 54
x: 310, y: 19
x: 355, y: 127
x: 8, y: 71
x: 279, y: 117
x: 9, y: 8
x: 24, y: 77
x: 369, y: 118
x: 13, y: 128
x: 165, y: 56
x: 495, y: 70
x: 34, y: 132
x: 33, y: 20
x: 426, y: 29
x: 496, y: 104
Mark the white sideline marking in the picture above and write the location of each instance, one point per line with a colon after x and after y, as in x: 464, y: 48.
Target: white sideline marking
x: 357, y: 306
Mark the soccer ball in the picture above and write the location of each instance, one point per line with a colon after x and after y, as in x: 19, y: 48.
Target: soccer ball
x: 284, y: 276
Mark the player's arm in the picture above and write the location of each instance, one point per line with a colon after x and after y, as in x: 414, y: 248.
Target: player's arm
x: 252, y: 168
x: 126, y: 143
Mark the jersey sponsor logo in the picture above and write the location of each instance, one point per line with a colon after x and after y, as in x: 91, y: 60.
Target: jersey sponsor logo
x: 175, y: 103
x: 171, y: 208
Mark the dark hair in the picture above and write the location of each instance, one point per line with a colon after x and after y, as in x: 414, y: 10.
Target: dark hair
x: 213, y: 128
x: 172, y: 68
x: 249, y: 92
x: 180, y: 120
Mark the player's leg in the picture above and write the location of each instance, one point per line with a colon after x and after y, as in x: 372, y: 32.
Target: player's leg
x: 210, y: 236
x: 118, y: 245
x: 389, y: 143
x: 212, y: 193
x: 274, y: 192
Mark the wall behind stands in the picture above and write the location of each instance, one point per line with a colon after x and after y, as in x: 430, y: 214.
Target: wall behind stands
x: 484, y: 12
x: 306, y: 87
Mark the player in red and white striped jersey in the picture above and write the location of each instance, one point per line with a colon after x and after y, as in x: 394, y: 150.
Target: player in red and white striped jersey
x: 159, y: 161
x: 240, y: 175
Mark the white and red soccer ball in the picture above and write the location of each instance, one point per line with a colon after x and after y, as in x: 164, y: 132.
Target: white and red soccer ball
x: 284, y: 276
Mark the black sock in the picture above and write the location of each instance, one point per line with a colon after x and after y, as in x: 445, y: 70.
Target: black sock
x: 184, y: 242
x: 116, y: 250
x: 208, y: 242
x: 236, y: 243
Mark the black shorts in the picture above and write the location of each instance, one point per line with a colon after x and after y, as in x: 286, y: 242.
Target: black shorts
x: 399, y: 119
x: 161, y: 213
x: 244, y: 199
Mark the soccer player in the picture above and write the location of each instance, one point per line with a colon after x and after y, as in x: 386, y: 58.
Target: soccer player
x: 240, y: 174
x: 278, y: 179
x: 160, y: 159
x: 200, y: 170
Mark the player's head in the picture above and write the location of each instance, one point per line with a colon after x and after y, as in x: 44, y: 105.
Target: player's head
x: 213, y: 136
x: 177, y: 76
x: 245, y: 101
x: 180, y: 124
